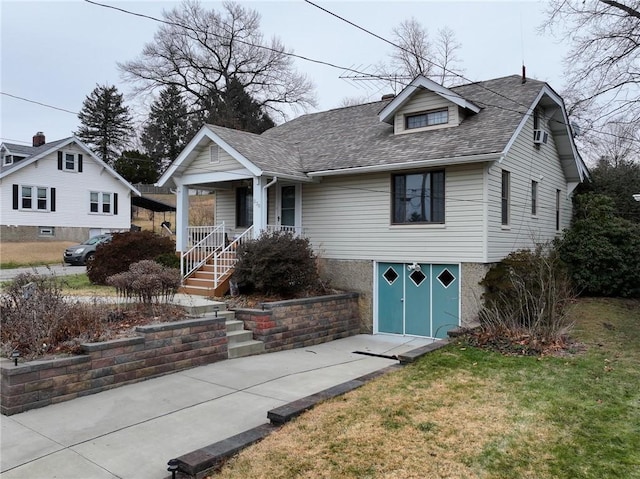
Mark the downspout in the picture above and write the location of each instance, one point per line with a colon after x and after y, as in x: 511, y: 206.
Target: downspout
x: 271, y: 183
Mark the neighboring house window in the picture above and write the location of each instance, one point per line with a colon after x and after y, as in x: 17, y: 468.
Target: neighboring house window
x: 7, y: 159
x: 103, y: 203
x: 244, y: 206
x: 557, y: 210
x: 418, y: 197
x: 429, y: 118
x: 68, y: 161
x: 534, y: 197
x: 505, y: 196
x: 33, y: 198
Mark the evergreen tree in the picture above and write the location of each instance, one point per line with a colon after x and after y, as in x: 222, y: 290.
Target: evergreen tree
x: 106, y: 124
x: 169, y: 127
x: 136, y: 167
x: 235, y: 108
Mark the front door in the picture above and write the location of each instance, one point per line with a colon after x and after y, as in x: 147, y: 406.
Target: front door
x: 288, y: 208
x: 417, y: 299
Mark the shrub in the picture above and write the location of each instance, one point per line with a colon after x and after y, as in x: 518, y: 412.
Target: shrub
x: 526, y: 299
x: 601, y: 249
x: 147, y: 281
x: 35, y: 318
x: 277, y: 263
x: 123, y: 250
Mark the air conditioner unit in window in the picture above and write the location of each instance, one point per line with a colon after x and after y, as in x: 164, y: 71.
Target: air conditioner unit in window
x: 540, y: 137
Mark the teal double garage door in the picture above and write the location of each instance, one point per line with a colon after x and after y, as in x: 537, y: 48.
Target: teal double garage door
x: 418, y: 299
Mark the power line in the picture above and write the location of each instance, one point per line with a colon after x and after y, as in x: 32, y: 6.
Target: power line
x: 38, y: 103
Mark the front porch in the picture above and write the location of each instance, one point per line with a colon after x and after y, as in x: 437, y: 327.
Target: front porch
x: 207, y: 265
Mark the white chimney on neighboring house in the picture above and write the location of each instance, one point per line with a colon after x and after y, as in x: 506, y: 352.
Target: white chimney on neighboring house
x: 38, y: 139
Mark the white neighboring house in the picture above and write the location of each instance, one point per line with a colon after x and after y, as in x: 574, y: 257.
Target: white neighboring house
x: 408, y: 200
x: 60, y: 191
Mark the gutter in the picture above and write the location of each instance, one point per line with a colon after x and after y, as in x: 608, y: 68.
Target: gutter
x: 457, y: 160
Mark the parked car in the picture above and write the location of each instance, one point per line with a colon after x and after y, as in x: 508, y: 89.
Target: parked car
x: 84, y: 252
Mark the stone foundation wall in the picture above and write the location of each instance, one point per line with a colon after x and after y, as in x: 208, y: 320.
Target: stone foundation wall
x: 302, y: 322
x: 32, y: 233
x: 352, y: 275
x: 471, y: 292
x: 160, y: 349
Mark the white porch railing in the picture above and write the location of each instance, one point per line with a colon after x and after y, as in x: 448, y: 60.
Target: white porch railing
x: 204, y: 241
x: 211, y: 244
x: 295, y: 230
x: 225, y: 259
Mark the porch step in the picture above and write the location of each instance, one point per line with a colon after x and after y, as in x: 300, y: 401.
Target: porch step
x: 234, y: 325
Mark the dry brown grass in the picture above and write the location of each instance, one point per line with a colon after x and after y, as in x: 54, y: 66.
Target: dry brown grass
x: 33, y: 253
x: 393, y: 428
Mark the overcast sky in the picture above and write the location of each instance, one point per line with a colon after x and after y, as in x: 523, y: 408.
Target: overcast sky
x: 56, y: 52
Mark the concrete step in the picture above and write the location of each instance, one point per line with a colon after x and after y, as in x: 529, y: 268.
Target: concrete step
x: 239, y: 336
x: 215, y: 307
x: 234, y: 325
x: 245, y: 348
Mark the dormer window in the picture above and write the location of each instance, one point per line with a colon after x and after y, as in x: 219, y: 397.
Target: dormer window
x: 429, y: 118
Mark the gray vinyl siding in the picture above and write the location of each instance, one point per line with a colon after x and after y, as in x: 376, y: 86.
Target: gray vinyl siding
x: 202, y: 163
x: 225, y: 209
x: 525, y: 163
x: 423, y: 102
x: 350, y: 218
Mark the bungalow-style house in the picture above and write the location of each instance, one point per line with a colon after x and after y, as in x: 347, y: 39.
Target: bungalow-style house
x: 60, y: 190
x: 408, y: 200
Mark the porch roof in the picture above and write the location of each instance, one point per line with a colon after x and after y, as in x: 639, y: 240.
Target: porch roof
x: 272, y: 156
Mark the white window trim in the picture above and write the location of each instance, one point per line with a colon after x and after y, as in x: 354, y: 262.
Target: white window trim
x: 34, y: 199
x: 101, y: 203
x: 75, y: 161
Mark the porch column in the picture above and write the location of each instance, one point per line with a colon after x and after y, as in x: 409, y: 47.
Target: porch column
x: 182, y: 217
x: 259, y: 205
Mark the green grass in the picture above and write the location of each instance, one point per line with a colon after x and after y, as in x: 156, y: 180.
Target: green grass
x: 464, y: 412
x: 77, y: 284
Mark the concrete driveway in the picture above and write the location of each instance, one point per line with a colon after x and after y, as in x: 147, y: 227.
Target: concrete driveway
x: 132, y: 431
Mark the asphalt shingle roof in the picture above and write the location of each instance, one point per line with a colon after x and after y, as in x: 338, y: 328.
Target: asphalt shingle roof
x: 28, y: 151
x: 354, y: 136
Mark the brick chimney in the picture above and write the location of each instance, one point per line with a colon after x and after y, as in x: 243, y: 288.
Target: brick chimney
x: 38, y: 139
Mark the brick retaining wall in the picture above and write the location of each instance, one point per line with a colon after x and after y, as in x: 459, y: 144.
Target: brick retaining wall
x: 160, y: 349
x: 299, y: 323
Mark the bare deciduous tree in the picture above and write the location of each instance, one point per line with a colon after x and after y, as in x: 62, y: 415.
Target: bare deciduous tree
x: 202, y: 51
x: 417, y: 54
x: 603, y: 65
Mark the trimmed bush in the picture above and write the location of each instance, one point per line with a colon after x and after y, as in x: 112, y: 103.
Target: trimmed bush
x: 277, y: 263
x: 127, y: 248
x: 147, y: 281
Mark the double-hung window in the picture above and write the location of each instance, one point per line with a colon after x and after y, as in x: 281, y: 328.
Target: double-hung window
x: 418, y: 197
x: 70, y: 161
x: 429, y: 118
x: 101, y: 203
x: 35, y: 198
x: 534, y: 198
x: 506, y: 180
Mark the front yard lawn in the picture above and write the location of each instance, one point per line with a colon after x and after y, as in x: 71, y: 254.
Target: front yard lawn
x: 463, y: 412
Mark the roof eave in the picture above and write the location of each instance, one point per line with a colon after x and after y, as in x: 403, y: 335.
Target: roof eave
x: 458, y: 160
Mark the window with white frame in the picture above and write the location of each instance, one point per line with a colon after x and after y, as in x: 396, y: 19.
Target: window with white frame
x: 429, y: 118
x: 534, y: 197
x: 506, y: 181
x: 101, y: 203
x: 35, y: 198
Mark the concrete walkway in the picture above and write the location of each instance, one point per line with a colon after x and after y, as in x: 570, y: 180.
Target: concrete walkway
x: 132, y: 431
x: 59, y: 269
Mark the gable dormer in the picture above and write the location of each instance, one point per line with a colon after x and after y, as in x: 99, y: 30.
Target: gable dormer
x: 426, y: 105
